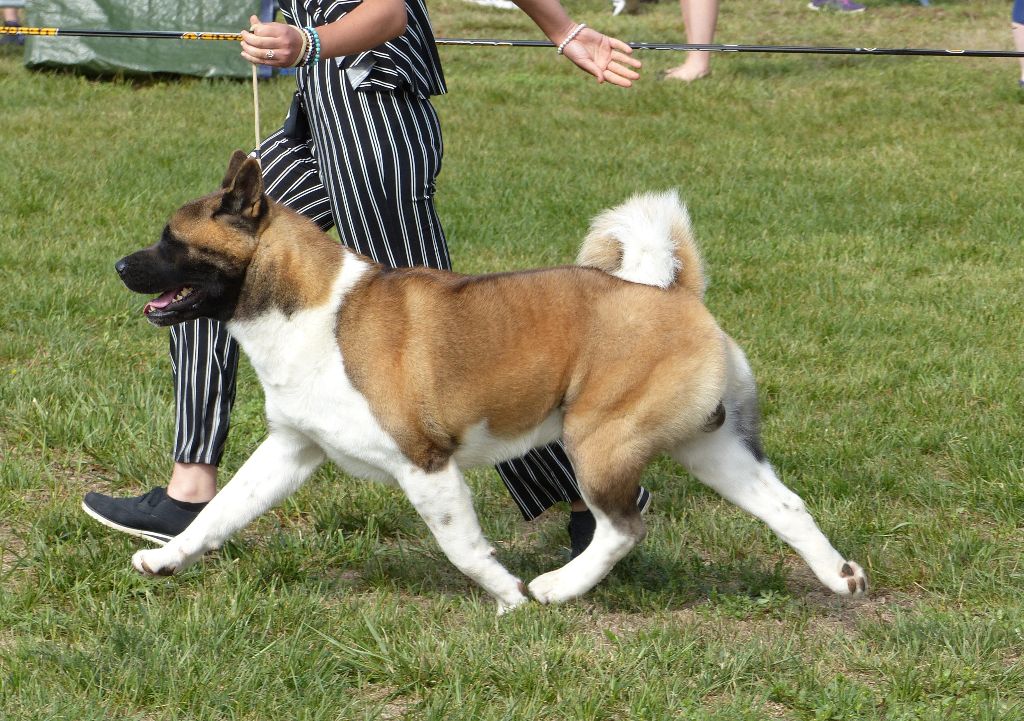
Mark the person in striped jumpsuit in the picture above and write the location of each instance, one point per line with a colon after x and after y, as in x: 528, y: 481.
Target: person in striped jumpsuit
x: 360, y: 152
x: 1017, y: 15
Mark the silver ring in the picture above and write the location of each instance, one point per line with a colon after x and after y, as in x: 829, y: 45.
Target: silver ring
x: 270, y: 55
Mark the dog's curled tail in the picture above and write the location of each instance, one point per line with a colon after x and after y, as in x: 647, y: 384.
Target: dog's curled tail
x: 648, y: 239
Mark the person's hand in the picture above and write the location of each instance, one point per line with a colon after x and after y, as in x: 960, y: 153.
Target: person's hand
x: 607, y: 59
x: 274, y: 44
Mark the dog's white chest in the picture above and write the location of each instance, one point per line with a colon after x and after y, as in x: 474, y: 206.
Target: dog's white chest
x: 302, y: 372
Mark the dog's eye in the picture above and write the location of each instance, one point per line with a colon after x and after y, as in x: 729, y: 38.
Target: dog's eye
x: 170, y: 247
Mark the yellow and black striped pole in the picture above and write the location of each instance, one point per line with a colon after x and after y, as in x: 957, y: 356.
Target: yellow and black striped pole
x: 713, y: 47
x: 158, y: 34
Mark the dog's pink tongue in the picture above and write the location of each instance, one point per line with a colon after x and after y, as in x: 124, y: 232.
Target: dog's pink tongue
x: 161, y: 302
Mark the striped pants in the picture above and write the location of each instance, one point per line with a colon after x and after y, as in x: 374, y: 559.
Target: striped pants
x: 368, y: 169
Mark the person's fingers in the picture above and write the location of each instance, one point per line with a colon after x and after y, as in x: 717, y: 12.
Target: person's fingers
x: 255, y: 59
x: 259, y: 55
x: 622, y: 47
x: 620, y: 57
x: 618, y: 80
x: 622, y: 71
x: 258, y: 43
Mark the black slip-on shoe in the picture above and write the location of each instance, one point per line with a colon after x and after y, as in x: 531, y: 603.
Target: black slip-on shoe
x: 582, y: 523
x: 154, y: 516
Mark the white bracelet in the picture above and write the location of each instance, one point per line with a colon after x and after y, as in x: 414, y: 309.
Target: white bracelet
x: 570, y: 37
x: 302, y: 52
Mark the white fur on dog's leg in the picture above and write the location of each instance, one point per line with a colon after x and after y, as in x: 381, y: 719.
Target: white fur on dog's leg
x: 504, y: 607
x: 723, y: 462
x: 444, y: 502
x: 154, y: 562
x: 608, y: 547
x: 280, y: 465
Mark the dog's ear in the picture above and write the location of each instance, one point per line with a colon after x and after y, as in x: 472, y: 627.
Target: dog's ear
x: 243, y: 196
x: 237, y: 158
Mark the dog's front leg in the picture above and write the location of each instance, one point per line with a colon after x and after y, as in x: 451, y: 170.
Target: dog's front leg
x: 444, y: 501
x: 278, y: 467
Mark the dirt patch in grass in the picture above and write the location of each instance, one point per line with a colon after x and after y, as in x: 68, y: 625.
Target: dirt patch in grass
x: 605, y: 628
x: 394, y: 706
x: 78, y: 475
x: 12, y: 548
x: 879, y: 604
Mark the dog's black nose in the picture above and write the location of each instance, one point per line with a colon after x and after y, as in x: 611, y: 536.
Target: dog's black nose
x: 120, y: 266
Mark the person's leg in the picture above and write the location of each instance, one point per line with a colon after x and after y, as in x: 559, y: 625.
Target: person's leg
x: 11, y: 19
x: 540, y: 479
x: 204, y: 360
x: 544, y: 477
x: 700, y: 18
x: 204, y: 363
x: 1018, y: 33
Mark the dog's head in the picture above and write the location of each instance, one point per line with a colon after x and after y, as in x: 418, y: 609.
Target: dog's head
x: 198, y: 266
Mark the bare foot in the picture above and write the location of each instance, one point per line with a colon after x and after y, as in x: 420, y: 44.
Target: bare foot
x: 687, y: 72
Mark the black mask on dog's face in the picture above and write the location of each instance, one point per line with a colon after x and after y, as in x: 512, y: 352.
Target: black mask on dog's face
x: 199, y: 264
x: 187, y: 289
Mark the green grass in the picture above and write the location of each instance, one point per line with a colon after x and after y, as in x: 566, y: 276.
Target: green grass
x: 861, y: 220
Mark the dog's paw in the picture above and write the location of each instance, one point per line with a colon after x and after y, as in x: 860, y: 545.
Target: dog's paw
x: 550, y: 588
x: 852, y: 580
x: 153, y: 562
x: 514, y: 599
x: 508, y: 606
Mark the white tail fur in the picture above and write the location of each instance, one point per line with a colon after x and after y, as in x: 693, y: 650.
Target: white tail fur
x: 648, y: 239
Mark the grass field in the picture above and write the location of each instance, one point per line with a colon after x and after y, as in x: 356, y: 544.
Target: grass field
x: 861, y: 220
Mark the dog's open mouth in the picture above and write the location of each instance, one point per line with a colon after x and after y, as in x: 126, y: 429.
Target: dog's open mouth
x: 172, y: 302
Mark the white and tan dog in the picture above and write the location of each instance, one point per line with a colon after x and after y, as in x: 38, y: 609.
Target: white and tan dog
x: 409, y: 376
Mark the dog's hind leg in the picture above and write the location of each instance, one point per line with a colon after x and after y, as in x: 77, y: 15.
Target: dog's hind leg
x: 445, y: 503
x: 730, y: 461
x: 276, y: 469
x: 609, y: 478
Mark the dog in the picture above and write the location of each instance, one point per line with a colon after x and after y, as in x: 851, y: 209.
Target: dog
x: 408, y: 376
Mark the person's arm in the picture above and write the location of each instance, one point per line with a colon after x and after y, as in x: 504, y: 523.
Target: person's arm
x: 606, y: 58
x: 376, y: 21
x: 372, y: 23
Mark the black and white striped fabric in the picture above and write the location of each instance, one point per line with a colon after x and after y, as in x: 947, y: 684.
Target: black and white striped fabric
x: 204, y: 363
x: 368, y: 169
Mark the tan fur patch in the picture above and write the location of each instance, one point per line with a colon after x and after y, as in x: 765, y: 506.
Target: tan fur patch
x: 209, y: 240
x: 436, y: 354
x: 293, y: 267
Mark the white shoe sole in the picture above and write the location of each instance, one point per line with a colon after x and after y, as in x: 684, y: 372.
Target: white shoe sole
x: 158, y: 538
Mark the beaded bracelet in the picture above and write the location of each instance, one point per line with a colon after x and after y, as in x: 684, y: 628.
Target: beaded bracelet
x: 315, y: 55
x: 570, y: 37
x: 309, y: 47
